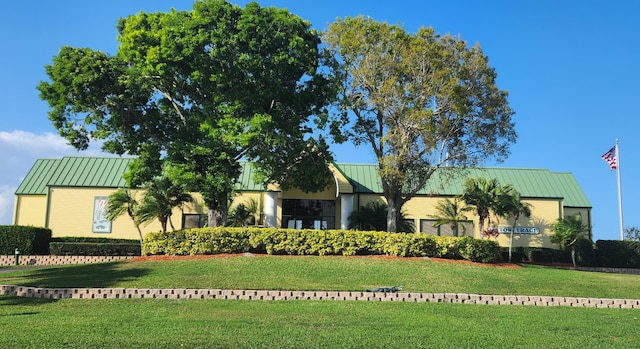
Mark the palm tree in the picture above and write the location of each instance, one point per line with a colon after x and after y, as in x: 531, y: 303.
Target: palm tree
x: 483, y: 195
x: 450, y: 212
x: 509, y: 205
x: 242, y: 215
x: 161, y: 197
x: 121, y: 201
x: 567, y: 231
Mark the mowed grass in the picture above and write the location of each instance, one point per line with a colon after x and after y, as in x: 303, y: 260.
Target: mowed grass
x: 151, y: 323
x: 332, y: 273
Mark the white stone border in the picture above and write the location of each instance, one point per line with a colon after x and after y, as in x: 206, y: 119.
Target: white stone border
x: 184, y: 293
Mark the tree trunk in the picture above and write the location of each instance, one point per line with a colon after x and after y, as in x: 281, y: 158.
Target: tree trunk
x: 481, y: 224
x: 171, y: 223
x: 392, y: 216
x: 140, y: 234
x: 573, y: 256
x: 394, y: 209
x: 217, y: 216
x: 511, y: 242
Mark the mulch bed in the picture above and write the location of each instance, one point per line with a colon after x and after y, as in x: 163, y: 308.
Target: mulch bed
x: 231, y: 255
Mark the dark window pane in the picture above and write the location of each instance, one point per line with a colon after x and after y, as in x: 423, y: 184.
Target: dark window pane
x: 426, y: 226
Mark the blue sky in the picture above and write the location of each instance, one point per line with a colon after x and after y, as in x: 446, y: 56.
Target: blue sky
x: 570, y: 66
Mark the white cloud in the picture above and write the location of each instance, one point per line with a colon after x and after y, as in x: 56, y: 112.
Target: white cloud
x: 6, y: 203
x: 44, y: 142
x: 19, y: 150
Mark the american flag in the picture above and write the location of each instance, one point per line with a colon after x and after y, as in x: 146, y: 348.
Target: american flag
x: 611, y: 157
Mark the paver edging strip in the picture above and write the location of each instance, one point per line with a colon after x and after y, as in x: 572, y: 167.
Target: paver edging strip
x: 185, y: 293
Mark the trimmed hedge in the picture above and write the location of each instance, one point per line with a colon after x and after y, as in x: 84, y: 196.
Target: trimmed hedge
x: 94, y: 249
x: 585, y: 253
x: 95, y: 240
x: 618, y: 254
x: 537, y: 255
x: 317, y: 242
x: 27, y: 239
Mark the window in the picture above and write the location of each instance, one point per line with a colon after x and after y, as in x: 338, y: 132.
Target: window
x: 308, y: 214
x: 465, y: 228
x: 426, y: 226
x: 194, y: 220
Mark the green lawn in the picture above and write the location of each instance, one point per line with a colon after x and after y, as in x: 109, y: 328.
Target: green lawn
x: 151, y: 323
x: 333, y: 274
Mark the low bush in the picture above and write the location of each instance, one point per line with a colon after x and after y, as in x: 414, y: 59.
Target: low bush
x: 517, y: 254
x: 585, y: 253
x: 94, y: 249
x: 317, y: 242
x: 475, y: 250
x: 27, y: 239
x: 95, y: 240
x: 618, y: 254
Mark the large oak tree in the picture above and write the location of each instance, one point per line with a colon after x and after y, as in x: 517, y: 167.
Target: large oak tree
x: 192, y: 93
x: 420, y: 101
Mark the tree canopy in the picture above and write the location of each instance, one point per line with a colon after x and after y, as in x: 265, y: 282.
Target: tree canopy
x: 420, y: 101
x: 486, y: 196
x: 510, y: 205
x: 567, y: 231
x: 192, y: 93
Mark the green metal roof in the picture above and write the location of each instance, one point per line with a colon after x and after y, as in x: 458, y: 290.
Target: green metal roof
x: 530, y: 183
x: 35, y: 183
x: 103, y: 172
x: 98, y: 172
x: 74, y: 171
x: 106, y: 172
x: 247, y: 181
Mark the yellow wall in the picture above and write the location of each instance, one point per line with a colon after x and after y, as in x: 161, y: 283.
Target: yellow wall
x: 30, y: 210
x: 544, y: 214
x: 71, y: 214
x: 245, y: 198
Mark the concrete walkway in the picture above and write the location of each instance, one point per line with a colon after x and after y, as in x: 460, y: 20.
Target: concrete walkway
x: 265, y: 295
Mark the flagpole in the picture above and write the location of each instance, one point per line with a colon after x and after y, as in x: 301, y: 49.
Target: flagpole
x: 619, y: 191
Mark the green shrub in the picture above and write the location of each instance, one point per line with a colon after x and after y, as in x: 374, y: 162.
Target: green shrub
x: 517, y: 254
x: 316, y: 242
x: 94, y: 249
x: 545, y: 255
x: 446, y: 247
x: 27, y: 239
x: 585, y: 253
x: 539, y: 255
x: 475, y: 250
x: 95, y: 240
x: 197, y: 241
x: 618, y: 254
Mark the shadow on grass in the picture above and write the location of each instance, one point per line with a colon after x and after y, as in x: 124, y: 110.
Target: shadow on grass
x: 7, y: 301
x: 85, y: 275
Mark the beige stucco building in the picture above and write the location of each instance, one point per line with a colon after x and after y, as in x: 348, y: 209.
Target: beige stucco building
x: 68, y: 196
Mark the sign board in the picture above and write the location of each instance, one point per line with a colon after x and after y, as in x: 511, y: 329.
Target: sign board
x: 519, y: 230
x: 100, y: 222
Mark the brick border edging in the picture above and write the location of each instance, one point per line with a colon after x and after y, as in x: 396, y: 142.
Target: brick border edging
x: 9, y: 260
x: 461, y: 298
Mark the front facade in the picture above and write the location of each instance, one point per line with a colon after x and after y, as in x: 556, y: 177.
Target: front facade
x: 68, y: 196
